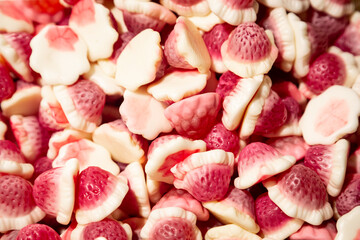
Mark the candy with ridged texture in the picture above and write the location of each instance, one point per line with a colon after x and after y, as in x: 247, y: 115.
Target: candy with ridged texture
x: 295, y: 6
x: 187, y: 8
x: 136, y: 201
x: 88, y: 154
x: 249, y: 50
x: 300, y: 193
x: 166, y: 151
x: 37, y: 231
x: 221, y: 138
x: 99, y: 193
x: 237, y: 207
x: 82, y: 104
x: 213, y: 40
x: 12, y: 161
x: 237, y: 95
x: 348, y: 197
x: 17, y: 206
x: 273, y: 222
x: 291, y: 145
x: 284, y: 38
x: 15, y: 49
x: 302, y: 46
x: 54, y: 191
x: 258, y: 161
x: 7, y: 84
x: 329, y: 162
x: 205, y: 175
x: 140, y: 105
x: 140, y: 15
x: 255, y: 109
x: 194, y: 116
x: 235, y: 12
x: 171, y: 222
x: 185, y: 48
x: 183, y: 199
x: 177, y: 84
x: 31, y: 137
x: 61, y: 138
x: 333, y: 7
x: 105, y: 229
x: 331, y: 68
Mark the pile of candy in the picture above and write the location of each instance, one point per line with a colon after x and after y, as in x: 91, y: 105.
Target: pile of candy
x: 179, y: 119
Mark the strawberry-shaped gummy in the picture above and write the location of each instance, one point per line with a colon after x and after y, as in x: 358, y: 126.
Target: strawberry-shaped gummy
x: 273, y: 222
x: 7, y: 86
x: 182, y: 199
x: 41, y: 165
x: 348, y: 226
x: 136, y: 201
x: 82, y: 104
x: 205, y: 175
x: 278, y: 23
x: 12, y: 161
x: 194, y: 116
x: 37, y: 232
x: 258, y: 161
x: 349, y: 197
x: 31, y: 137
x: 300, y: 193
x: 17, y: 205
x: 237, y: 207
x: 335, y: 8
x: 107, y: 228
x: 329, y: 162
x: 98, y: 194
x: 348, y: 41
x: 54, y: 191
x: 249, y: 51
x: 221, y: 138
x: 168, y: 150
x: 273, y: 115
x: 137, y: 22
x: 327, y: 70
x: 171, y: 223
x: 235, y: 12
x: 213, y: 40
x: 332, y: 26
x: 291, y: 145
x: 227, y: 82
x: 16, y: 52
